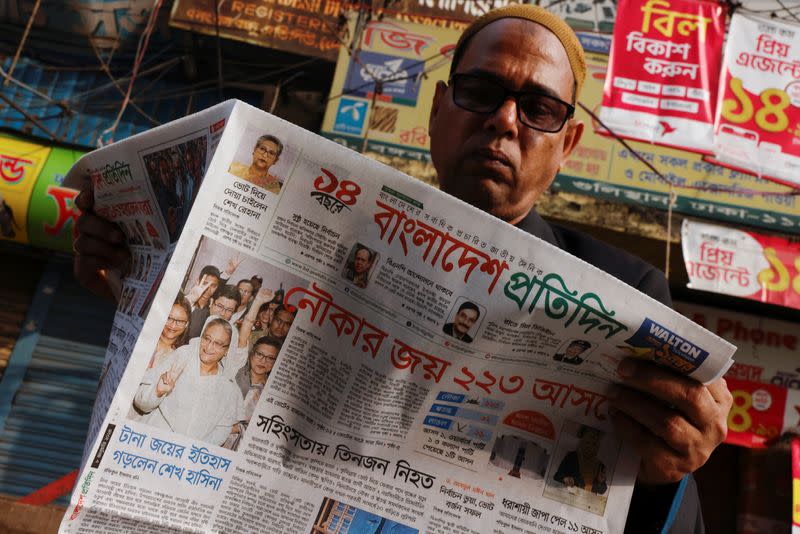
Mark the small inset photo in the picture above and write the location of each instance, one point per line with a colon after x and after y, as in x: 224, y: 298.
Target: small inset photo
x: 337, y: 517
x: 519, y: 457
x: 573, y: 351
x: 263, y: 160
x: 358, y: 267
x: 464, y: 320
x: 583, y: 467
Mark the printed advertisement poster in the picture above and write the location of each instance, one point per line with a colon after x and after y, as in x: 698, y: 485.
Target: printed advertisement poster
x: 52, y: 213
x: 20, y: 165
x: 663, y: 72
x: 758, y: 115
x: 586, y: 15
x: 741, y: 263
x: 306, y: 27
x: 407, y: 60
x: 601, y: 167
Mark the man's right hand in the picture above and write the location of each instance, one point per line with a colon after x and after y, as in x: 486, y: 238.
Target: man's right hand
x: 99, y: 247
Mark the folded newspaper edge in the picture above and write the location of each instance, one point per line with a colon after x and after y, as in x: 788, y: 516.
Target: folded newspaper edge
x: 431, y: 365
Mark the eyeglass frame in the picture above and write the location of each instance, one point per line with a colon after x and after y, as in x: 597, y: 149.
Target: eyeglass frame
x: 215, y: 345
x: 177, y: 322
x: 451, y: 82
x: 263, y: 150
x: 223, y: 308
x: 263, y: 357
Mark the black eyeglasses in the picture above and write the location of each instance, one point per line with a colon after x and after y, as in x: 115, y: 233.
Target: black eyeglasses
x: 534, y: 109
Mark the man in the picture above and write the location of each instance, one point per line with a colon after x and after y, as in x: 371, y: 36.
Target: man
x: 208, y: 282
x: 573, y: 353
x: 266, y: 153
x: 225, y: 302
x: 582, y: 468
x: 358, y: 271
x: 501, y: 128
x: 465, y: 318
x: 246, y: 292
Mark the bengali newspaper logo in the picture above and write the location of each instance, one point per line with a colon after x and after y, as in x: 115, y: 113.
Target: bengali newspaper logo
x: 653, y: 340
x: 333, y: 194
x: 118, y: 173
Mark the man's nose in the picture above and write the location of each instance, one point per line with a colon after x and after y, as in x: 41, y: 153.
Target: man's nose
x: 504, y: 119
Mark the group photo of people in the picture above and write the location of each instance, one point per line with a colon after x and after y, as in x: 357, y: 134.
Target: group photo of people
x: 175, y: 174
x: 263, y: 160
x: 585, y: 460
x: 220, y: 341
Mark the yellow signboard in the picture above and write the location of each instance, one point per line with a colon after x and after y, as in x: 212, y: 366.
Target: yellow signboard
x: 20, y: 165
x: 396, y: 53
x: 384, y: 88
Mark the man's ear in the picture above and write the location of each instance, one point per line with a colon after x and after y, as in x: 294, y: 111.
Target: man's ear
x: 441, y: 89
x: 572, y: 136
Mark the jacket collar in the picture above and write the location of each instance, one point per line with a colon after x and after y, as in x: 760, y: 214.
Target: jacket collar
x: 535, y: 225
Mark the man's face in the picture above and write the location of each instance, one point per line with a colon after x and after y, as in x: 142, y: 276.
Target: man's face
x: 493, y: 161
x: 361, y: 262
x: 464, y: 321
x: 263, y: 358
x: 213, y: 282
x: 223, y: 307
x: 280, y: 324
x: 245, y: 291
x: 265, y: 154
x: 214, y: 344
x: 574, y: 350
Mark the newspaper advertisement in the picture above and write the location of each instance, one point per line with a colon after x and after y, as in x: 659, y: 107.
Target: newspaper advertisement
x: 333, y: 345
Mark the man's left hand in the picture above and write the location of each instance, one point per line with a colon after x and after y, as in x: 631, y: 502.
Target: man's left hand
x: 673, y: 421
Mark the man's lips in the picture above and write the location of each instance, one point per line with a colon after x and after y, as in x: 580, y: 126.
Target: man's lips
x: 492, y: 155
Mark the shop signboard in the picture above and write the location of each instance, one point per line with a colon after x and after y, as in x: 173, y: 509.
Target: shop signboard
x: 601, y: 167
x: 405, y: 60
x: 306, y: 27
x: 35, y: 208
x: 663, y: 72
x: 52, y: 213
x: 765, y: 376
x: 742, y: 263
x: 20, y: 165
x: 758, y: 115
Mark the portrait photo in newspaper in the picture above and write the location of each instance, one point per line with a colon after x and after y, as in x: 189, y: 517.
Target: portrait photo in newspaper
x: 175, y: 171
x: 583, y: 467
x: 573, y: 351
x: 263, y: 159
x: 217, y: 348
x: 464, y: 320
x: 358, y: 267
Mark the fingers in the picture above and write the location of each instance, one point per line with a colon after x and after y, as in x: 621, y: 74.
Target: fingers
x: 687, y: 395
x: 90, y: 273
x: 85, y: 200
x: 97, y: 227
x: 674, y: 422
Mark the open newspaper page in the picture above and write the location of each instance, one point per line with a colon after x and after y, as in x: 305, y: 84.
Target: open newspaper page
x: 390, y: 359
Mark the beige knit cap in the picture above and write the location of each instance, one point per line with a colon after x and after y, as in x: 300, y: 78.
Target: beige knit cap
x: 541, y: 16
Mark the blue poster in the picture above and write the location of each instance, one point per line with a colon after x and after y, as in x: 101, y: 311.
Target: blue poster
x: 350, y: 116
x: 401, y: 77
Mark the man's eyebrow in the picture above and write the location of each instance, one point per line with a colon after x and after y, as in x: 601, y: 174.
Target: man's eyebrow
x: 531, y: 86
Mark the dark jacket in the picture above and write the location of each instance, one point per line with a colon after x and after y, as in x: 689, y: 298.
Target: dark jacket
x: 673, y: 508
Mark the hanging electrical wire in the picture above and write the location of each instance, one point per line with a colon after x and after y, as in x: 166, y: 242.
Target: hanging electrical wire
x: 140, y: 52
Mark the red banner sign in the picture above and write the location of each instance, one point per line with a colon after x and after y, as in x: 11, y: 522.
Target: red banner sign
x: 744, y: 264
x: 663, y: 72
x: 758, y: 115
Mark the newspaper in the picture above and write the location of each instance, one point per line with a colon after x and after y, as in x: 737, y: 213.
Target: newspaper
x: 397, y: 361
